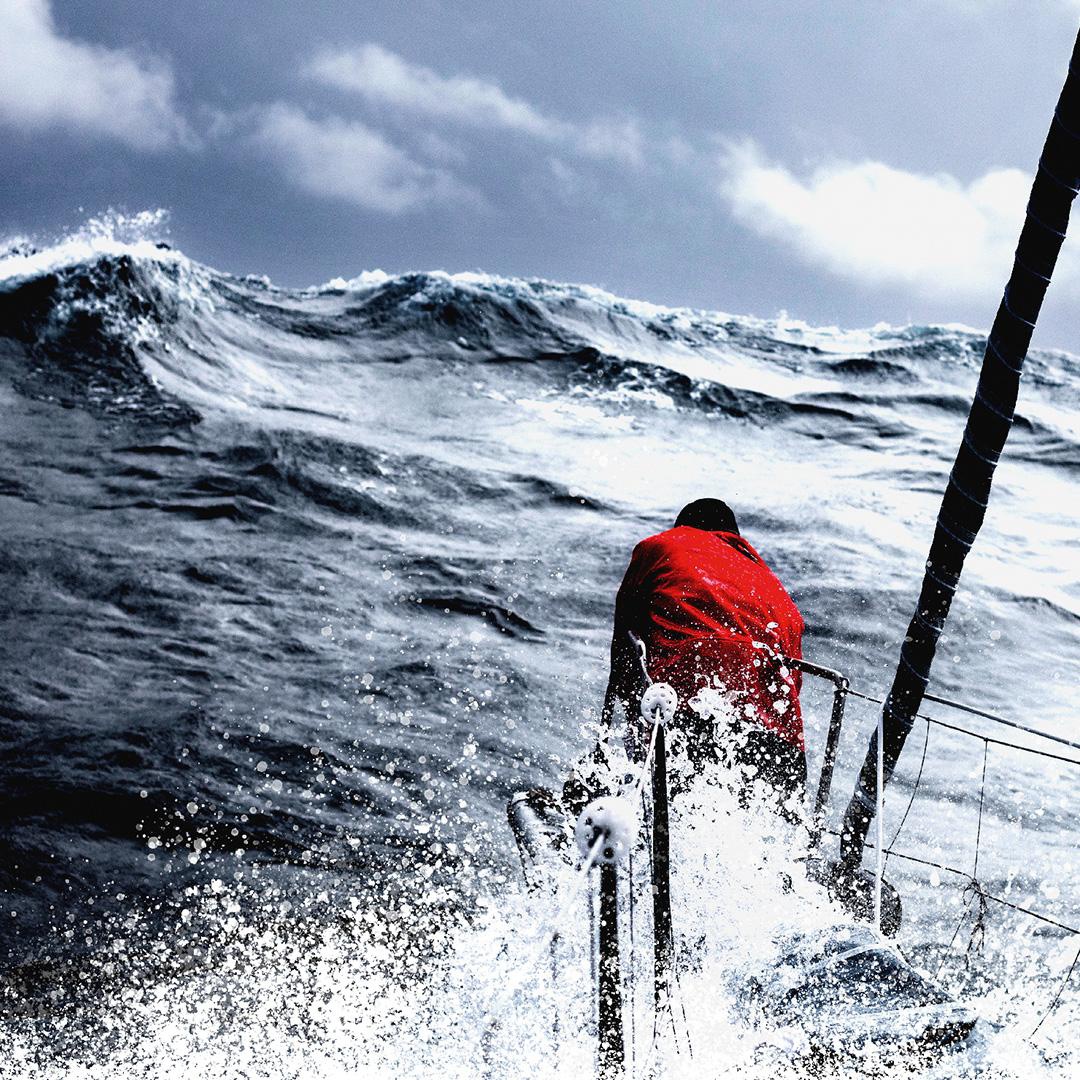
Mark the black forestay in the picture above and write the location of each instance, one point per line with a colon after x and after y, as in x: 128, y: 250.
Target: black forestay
x: 967, y: 495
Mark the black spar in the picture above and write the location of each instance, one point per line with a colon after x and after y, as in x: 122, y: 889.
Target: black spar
x: 964, y: 504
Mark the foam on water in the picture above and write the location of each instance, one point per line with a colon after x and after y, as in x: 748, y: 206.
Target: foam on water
x: 110, y: 236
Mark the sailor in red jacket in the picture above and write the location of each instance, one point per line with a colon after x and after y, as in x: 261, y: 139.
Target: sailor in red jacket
x: 717, y: 624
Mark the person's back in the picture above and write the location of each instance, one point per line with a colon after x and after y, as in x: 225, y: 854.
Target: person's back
x: 717, y: 625
x: 712, y: 614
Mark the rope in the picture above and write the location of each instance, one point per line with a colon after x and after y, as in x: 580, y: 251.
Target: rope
x: 649, y: 1055
x: 1057, y: 997
x: 639, y: 646
x: 952, y: 940
x: 638, y: 788
x: 656, y: 1015
x: 982, y: 797
x: 555, y: 994
x: 547, y: 930
x: 914, y: 792
x: 682, y: 1001
x: 978, y: 927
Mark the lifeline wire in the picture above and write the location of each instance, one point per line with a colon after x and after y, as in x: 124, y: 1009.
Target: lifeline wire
x: 988, y: 716
x: 890, y: 851
x: 989, y: 896
x: 979, y: 893
x: 1001, y: 742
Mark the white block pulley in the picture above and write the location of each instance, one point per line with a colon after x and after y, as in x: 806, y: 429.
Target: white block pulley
x: 611, y: 819
x: 658, y: 703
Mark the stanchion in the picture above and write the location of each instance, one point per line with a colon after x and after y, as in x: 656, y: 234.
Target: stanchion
x: 661, y: 880
x: 611, y: 1052
x: 604, y: 833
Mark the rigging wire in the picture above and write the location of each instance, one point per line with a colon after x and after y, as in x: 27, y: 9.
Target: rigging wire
x: 989, y: 896
x: 1001, y: 720
x: 914, y: 792
x: 978, y: 735
x: 975, y: 891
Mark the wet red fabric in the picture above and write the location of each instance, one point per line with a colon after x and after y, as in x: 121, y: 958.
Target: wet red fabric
x: 711, y: 612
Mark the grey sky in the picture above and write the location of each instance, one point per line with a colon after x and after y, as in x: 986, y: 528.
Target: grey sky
x: 847, y: 161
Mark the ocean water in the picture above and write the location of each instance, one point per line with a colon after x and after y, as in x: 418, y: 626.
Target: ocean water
x: 298, y: 586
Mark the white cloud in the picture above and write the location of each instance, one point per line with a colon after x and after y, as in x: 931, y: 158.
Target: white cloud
x: 620, y: 140
x: 50, y: 81
x: 348, y: 160
x: 382, y: 77
x: 874, y: 223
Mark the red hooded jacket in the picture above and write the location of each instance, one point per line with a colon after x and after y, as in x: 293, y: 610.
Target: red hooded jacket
x: 712, y: 613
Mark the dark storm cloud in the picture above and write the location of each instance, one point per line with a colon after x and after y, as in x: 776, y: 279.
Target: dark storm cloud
x: 846, y: 162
